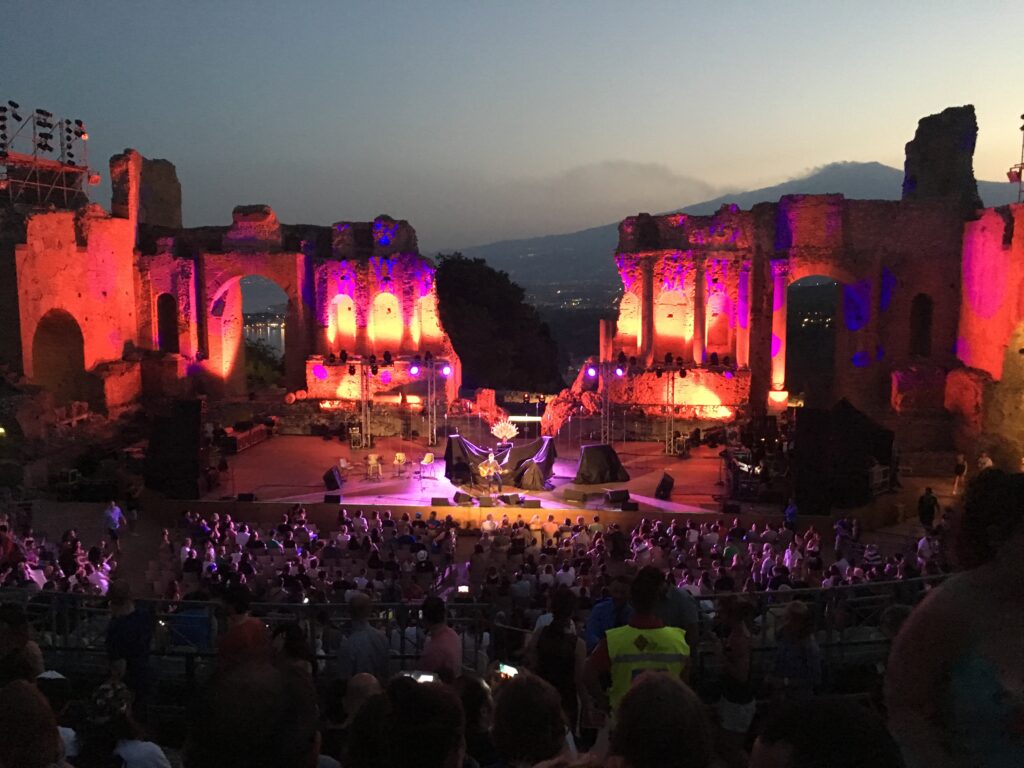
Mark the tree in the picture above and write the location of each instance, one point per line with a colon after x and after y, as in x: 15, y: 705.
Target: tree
x: 501, y: 340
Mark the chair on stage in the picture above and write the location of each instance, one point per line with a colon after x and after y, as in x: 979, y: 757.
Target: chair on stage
x: 374, y: 469
x: 427, y: 466
x: 400, y: 462
x: 344, y: 466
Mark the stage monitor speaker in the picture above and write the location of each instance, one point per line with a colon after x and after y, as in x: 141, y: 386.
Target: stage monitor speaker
x: 664, y: 489
x: 333, y: 479
x: 510, y: 498
x: 486, y: 501
x: 531, y: 503
x: 576, y: 496
x: 332, y: 498
x: 247, y: 497
x: 630, y: 506
x: 616, y: 497
x: 462, y: 498
x: 439, y: 501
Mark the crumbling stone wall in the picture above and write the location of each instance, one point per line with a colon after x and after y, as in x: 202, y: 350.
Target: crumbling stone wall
x: 940, y: 159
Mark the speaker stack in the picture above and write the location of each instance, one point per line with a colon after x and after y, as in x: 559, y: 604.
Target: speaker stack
x: 664, y: 489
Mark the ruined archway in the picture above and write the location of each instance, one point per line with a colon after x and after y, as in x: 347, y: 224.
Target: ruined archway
x: 252, y: 321
x: 921, y: 312
x: 167, y: 323
x: 58, y: 357
x: 812, y: 307
x: 718, y: 325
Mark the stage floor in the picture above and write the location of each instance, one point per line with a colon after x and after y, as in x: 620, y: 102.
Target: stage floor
x: 290, y: 468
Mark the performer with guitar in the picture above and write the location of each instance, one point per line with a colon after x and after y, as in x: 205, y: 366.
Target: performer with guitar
x: 490, y: 470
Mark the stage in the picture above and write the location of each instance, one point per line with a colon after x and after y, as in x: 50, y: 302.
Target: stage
x: 290, y: 468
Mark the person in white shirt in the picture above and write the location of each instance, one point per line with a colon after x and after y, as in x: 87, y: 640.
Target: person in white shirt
x: 186, y: 548
x: 566, y: 576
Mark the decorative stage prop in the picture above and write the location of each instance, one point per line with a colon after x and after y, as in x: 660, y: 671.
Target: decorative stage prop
x: 527, y: 466
x: 599, y: 464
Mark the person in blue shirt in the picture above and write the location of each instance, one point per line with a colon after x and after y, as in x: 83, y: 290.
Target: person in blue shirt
x: 789, y: 516
x: 609, y: 613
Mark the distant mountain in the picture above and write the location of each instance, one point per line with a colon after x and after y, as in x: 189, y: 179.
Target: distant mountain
x: 581, y: 264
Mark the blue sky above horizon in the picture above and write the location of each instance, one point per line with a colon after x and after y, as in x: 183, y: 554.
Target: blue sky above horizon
x: 481, y: 121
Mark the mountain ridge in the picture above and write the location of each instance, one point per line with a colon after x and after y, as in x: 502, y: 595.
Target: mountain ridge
x: 581, y: 261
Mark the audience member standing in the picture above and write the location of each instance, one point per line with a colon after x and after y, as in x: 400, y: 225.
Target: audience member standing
x: 365, y: 649
x: 246, y: 637
x: 442, y: 651
x: 129, y: 635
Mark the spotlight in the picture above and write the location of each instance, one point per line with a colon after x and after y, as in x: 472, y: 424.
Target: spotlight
x: 658, y: 372
x: 44, y: 113
x: 679, y: 362
x: 387, y: 358
x: 373, y: 369
x: 668, y: 358
x: 446, y: 370
x: 343, y: 357
x: 621, y: 359
x: 682, y: 373
x: 526, y: 397
x: 414, y: 370
x: 591, y: 372
x: 620, y: 371
x: 351, y: 370
x: 14, y: 104
x: 373, y: 359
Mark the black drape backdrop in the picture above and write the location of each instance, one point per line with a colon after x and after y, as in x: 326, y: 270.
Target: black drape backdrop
x: 528, y: 465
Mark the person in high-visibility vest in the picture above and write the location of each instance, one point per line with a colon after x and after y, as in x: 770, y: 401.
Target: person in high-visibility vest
x: 643, y: 644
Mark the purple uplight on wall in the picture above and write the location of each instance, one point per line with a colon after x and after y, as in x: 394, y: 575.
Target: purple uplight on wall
x: 860, y: 359
x: 728, y: 374
x: 591, y: 372
x: 886, y: 290
x: 385, y: 377
x: 857, y: 305
x: 776, y: 345
x: 319, y: 372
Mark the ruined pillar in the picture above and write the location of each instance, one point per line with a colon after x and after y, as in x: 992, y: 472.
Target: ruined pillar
x: 645, y: 342
x: 699, y: 318
x: 780, y: 273
x: 743, y: 317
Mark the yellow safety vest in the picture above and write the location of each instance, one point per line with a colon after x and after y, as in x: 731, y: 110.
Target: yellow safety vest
x: 634, y: 650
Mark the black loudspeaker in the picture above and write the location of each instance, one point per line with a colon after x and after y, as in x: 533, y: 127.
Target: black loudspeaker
x: 486, y: 501
x: 462, y: 498
x: 531, y: 503
x: 664, y: 489
x: 576, y: 496
x: 616, y: 497
x: 439, y: 501
x: 332, y: 498
x: 333, y: 479
x: 510, y: 498
x: 247, y: 497
x: 630, y: 506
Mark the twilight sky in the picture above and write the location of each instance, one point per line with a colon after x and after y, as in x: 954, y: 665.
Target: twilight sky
x: 479, y: 121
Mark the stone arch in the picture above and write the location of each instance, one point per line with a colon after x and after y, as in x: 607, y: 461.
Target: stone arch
x: 167, y: 323
x: 718, y: 335
x: 628, y: 328
x: 385, y: 326
x: 58, y: 357
x: 673, y: 322
x: 225, y: 333
x: 814, y: 316
x: 341, y: 323
x: 922, y: 310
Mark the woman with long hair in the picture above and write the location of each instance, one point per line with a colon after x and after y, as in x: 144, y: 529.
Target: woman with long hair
x: 955, y: 680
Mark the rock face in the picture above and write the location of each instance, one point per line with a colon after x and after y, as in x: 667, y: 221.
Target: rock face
x: 939, y: 160
x: 160, y: 194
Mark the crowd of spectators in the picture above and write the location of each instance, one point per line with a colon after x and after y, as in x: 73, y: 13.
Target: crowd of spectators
x: 583, y: 656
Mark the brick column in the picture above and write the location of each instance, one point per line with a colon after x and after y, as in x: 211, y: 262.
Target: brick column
x: 780, y: 282
x: 699, y: 318
x: 743, y: 317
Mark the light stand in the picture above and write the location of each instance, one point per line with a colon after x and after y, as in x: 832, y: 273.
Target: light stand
x: 1016, y: 172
